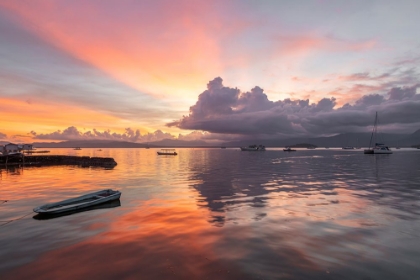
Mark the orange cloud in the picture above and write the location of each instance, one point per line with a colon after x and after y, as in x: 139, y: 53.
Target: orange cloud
x: 169, y: 52
x: 20, y: 117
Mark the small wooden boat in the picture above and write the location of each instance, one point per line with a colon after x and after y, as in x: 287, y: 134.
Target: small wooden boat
x: 167, y: 152
x: 105, y: 205
x: 78, y: 203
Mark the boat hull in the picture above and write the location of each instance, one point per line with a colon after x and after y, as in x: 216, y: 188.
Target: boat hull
x: 378, y: 152
x: 105, y: 205
x: 249, y: 149
x: 78, y: 203
x: 253, y: 148
x: 166, y: 154
x: 382, y: 152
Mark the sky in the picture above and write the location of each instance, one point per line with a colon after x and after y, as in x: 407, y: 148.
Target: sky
x: 143, y: 71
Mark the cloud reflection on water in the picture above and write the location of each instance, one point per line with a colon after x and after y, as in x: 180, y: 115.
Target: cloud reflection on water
x: 227, y: 214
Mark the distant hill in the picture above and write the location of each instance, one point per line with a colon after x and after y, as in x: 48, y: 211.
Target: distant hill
x: 303, y: 145
x: 337, y: 141
x: 89, y: 144
x: 180, y: 143
x: 340, y: 140
x: 120, y: 144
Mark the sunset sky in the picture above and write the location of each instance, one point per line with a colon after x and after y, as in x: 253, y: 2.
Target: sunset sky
x: 143, y: 71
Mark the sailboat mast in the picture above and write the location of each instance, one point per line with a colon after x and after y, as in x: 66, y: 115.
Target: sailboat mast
x: 375, y: 127
x: 373, y: 135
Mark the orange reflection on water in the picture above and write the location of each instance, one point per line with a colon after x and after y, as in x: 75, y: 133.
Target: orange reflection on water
x: 63, y: 182
x: 152, y: 242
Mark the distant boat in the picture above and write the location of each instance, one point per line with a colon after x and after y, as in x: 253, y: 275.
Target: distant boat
x: 167, y: 152
x: 99, y: 150
x: 288, y: 149
x: 78, y: 203
x: 223, y: 147
x: 348, y: 148
x: 377, y: 148
x: 77, y: 148
x: 253, y: 148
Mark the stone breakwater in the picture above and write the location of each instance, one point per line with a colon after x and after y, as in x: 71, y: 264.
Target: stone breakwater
x: 57, y: 160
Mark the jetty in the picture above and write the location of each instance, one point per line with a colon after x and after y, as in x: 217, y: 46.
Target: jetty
x: 45, y: 160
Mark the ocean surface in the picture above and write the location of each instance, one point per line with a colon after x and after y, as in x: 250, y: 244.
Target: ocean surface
x: 218, y: 214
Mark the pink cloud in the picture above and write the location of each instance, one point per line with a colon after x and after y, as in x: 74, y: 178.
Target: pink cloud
x: 130, y: 135
x: 304, y: 44
x: 151, y: 46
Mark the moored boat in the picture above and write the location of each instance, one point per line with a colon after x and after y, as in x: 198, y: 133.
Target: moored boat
x: 382, y: 149
x: 78, y: 203
x: 105, y: 205
x: 377, y: 148
x: 252, y: 148
x: 288, y: 149
x: 167, y: 152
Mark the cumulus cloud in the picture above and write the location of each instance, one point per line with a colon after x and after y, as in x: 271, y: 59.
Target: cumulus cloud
x: 226, y: 110
x: 130, y: 135
x: 195, y: 135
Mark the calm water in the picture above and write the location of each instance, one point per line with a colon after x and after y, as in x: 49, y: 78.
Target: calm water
x: 218, y: 214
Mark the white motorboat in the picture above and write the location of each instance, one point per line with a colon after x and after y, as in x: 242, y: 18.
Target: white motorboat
x: 288, y: 149
x: 78, y: 203
x: 253, y: 148
x: 378, y: 149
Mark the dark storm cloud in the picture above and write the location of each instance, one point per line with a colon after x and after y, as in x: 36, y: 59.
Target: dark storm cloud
x: 369, y: 100
x: 402, y: 93
x: 226, y: 110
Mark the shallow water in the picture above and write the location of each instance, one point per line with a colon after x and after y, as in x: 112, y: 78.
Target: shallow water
x: 218, y: 214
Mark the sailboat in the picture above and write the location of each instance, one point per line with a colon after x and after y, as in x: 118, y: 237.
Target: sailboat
x: 377, y: 148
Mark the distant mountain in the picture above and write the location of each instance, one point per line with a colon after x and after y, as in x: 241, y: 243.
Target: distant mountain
x: 120, y: 144
x: 180, y: 143
x: 340, y: 140
x: 89, y: 144
x: 414, y: 139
